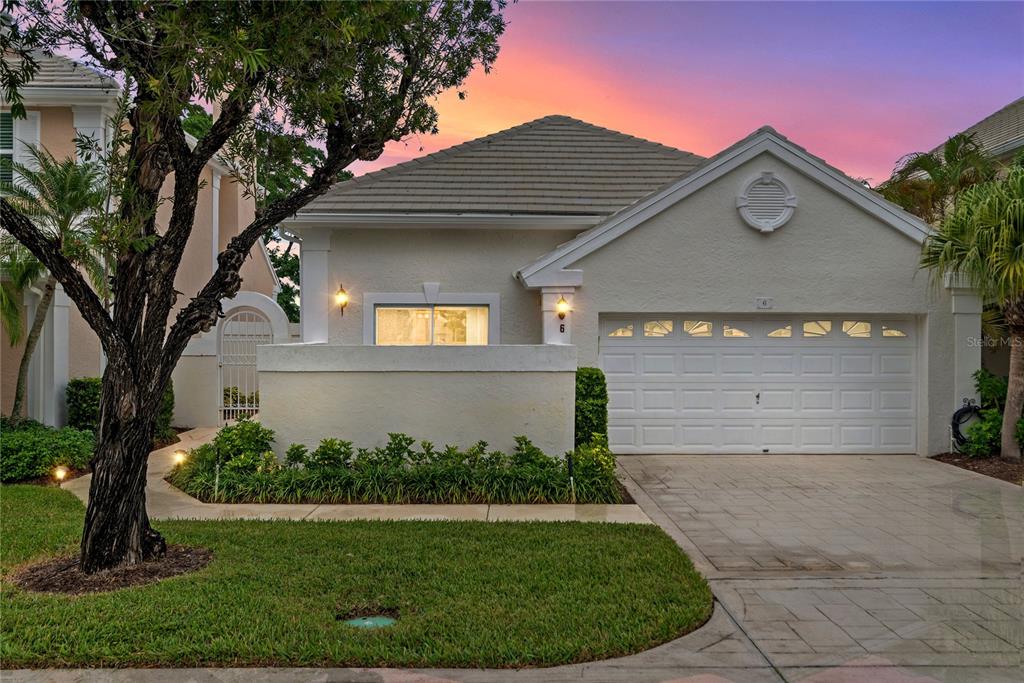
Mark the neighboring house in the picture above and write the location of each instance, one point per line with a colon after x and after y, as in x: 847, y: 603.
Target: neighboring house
x: 1000, y: 134
x: 757, y: 301
x: 66, y: 100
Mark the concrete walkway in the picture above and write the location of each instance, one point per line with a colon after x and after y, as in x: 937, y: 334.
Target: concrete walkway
x: 825, y: 569
x: 164, y: 501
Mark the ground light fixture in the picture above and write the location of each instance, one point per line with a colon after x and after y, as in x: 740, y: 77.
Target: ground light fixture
x: 341, y: 299
x: 180, y: 457
x: 60, y: 472
x: 562, y: 307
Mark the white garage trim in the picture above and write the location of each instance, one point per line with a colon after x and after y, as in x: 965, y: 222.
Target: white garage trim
x: 779, y: 383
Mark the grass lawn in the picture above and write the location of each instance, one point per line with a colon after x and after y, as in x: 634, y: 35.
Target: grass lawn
x: 469, y: 594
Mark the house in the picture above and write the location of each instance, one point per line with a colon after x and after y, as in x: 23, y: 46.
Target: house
x: 758, y: 301
x: 66, y: 100
x: 1001, y: 134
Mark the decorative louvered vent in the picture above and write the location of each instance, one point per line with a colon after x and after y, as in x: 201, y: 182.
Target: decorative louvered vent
x: 766, y: 202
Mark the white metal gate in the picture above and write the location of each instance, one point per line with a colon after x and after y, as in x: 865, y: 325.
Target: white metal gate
x: 240, y: 333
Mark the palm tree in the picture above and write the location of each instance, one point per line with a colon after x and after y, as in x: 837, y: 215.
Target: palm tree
x: 61, y: 197
x: 928, y: 184
x: 982, y: 240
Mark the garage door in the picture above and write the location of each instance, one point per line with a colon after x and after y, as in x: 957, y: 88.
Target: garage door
x: 715, y: 384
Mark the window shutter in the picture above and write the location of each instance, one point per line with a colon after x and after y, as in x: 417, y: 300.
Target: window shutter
x: 26, y: 133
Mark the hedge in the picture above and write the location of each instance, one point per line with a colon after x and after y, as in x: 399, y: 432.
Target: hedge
x: 591, y: 406
x: 29, y: 450
x: 83, y: 401
x: 239, y: 467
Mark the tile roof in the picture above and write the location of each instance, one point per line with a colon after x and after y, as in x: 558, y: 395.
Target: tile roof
x: 57, y: 71
x: 555, y: 165
x: 1002, y: 132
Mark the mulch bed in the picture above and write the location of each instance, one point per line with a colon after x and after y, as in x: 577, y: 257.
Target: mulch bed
x: 61, y: 575
x: 995, y: 467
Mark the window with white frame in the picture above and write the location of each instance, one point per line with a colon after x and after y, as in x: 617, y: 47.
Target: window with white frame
x: 6, y: 149
x: 431, y: 324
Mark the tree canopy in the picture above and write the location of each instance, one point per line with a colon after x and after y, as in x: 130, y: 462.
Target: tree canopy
x: 346, y: 77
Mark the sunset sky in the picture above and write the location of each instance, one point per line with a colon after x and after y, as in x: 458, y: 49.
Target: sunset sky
x: 859, y: 84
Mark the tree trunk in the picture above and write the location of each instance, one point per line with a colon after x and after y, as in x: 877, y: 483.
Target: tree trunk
x: 31, y: 340
x: 117, y: 530
x: 1014, y: 395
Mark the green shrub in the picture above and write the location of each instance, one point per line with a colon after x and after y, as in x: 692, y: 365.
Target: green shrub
x: 591, y: 405
x: 82, y: 396
x: 29, y: 450
x: 991, y: 389
x: 245, y: 437
x: 398, y: 472
x: 983, y: 435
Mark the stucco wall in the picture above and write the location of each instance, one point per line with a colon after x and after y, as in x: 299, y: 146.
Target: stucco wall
x: 462, y: 261
x: 196, y: 384
x: 699, y: 256
x: 444, y: 395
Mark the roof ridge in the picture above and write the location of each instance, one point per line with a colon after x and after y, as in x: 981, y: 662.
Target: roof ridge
x: 497, y: 135
x: 675, y: 151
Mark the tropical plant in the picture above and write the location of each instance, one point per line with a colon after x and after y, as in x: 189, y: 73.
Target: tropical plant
x: 928, y: 184
x: 60, y: 197
x: 348, y: 77
x: 240, y: 469
x: 982, y: 242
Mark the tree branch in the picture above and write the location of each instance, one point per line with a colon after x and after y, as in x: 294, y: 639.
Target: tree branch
x: 48, y: 252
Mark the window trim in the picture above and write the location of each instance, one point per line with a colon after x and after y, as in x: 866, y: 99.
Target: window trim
x: 371, y: 300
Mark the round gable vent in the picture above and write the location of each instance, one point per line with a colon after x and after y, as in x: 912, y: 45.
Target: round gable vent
x: 766, y: 203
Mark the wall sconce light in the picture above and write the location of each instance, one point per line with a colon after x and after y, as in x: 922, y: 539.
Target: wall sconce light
x: 562, y: 307
x: 60, y: 472
x: 180, y: 457
x: 341, y: 299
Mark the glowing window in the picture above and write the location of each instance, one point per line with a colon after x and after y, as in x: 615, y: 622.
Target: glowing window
x: 624, y: 331
x: 697, y: 328
x: 890, y: 331
x: 730, y: 330
x: 431, y: 325
x: 857, y: 328
x: 779, y: 332
x: 657, y: 328
x: 817, y: 328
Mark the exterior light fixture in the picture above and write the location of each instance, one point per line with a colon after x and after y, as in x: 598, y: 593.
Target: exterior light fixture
x: 60, y: 472
x: 562, y: 307
x: 341, y: 299
x: 180, y: 457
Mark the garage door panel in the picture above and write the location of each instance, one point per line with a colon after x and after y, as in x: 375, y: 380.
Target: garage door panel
x: 896, y: 365
x: 778, y: 365
x: 698, y: 365
x: 841, y: 386
x: 659, y: 364
x: 817, y: 364
x: 856, y: 365
x: 658, y: 400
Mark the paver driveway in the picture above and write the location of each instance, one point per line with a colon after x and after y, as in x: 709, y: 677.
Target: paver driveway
x: 825, y: 561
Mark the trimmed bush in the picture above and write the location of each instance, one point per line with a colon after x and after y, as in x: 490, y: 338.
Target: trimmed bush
x: 591, y: 406
x: 29, y: 450
x: 83, y: 400
x: 237, y: 469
